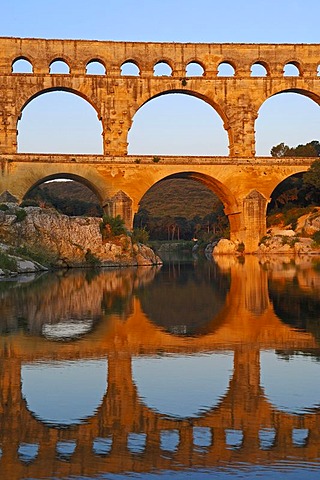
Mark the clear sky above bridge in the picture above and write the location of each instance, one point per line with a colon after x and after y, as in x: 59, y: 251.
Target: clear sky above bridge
x: 172, y: 125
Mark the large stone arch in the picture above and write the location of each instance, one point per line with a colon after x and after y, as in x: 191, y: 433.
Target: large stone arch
x: 284, y: 177
x: 217, y: 106
x: 68, y: 176
x: 231, y: 206
x: 278, y: 89
x: 33, y: 93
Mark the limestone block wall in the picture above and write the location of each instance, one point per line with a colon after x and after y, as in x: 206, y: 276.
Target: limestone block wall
x: 117, y: 97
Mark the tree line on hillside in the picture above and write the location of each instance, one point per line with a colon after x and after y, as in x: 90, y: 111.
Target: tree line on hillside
x: 209, y: 227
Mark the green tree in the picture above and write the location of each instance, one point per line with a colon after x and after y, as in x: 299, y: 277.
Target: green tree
x: 311, y: 149
x: 279, y: 150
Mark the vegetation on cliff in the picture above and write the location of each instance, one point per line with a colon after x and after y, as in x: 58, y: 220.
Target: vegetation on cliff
x: 55, y: 240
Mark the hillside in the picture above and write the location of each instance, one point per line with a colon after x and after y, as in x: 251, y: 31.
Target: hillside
x: 68, y: 197
x: 179, y: 198
x: 175, y: 197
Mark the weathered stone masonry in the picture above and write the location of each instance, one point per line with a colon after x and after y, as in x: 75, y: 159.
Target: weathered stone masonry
x: 239, y: 180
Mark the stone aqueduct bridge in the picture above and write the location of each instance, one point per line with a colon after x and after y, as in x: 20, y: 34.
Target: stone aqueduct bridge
x: 248, y: 325
x: 243, y: 182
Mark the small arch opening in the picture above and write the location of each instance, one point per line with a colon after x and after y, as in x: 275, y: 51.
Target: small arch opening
x: 59, y: 67
x: 194, y: 69
x: 226, y: 69
x: 234, y: 439
x: 318, y: 71
x: 258, y: 70
x: 22, y: 65
x: 95, y: 67
x: 162, y: 69
x: 291, y: 69
x: 130, y: 69
x: 267, y: 437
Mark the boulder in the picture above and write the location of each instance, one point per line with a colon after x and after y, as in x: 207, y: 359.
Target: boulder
x: 225, y: 247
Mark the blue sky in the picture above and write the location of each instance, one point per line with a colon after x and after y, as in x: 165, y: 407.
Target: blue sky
x: 289, y: 118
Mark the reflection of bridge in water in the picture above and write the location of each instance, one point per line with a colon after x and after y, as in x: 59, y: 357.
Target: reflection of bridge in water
x: 108, y: 441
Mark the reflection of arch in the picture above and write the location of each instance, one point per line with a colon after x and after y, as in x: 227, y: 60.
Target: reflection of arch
x: 157, y: 378
x: 71, y: 392
x: 171, y: 309
x: 295, y: 306
x: 218, y: 108
x: 303, y: 390
x: 67, y: 330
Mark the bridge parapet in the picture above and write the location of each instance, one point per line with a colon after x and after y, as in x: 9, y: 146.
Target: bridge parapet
x: 78, y: 53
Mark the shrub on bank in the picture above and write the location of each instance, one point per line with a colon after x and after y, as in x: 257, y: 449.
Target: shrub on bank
x: 7, y: 263
x: 112, y: 227
x: 140, y: 235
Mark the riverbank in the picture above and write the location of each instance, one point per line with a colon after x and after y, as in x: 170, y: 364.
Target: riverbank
x: 299, y: 237
x: 34, y: 239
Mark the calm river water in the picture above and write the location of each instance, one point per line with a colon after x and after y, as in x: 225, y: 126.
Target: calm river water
x: 196, y: 370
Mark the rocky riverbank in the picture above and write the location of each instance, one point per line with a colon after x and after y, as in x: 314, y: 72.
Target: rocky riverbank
x: 35, y: 238
x: 280, y: 239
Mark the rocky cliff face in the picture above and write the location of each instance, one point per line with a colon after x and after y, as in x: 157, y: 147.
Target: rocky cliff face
x: 69, y: 241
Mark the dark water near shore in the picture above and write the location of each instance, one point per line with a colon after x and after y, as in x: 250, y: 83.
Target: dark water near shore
x: 200, y: 370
